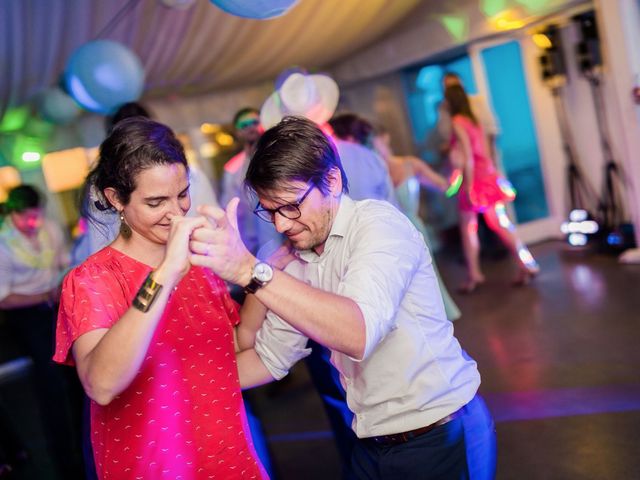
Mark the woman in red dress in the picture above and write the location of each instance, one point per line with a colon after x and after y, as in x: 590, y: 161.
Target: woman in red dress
x: 482, y: 191
x: 153, y: 338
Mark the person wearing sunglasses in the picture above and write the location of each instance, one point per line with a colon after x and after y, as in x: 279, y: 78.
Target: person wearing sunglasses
x: 255, y: 233
x: 360, y: 282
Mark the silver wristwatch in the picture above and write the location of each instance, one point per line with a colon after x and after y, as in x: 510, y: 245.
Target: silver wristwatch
x: 261, y: 274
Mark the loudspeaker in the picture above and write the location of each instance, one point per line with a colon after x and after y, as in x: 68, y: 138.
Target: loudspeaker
x: 552, y: 59
x: 552, y: 64
x: 588, y: 54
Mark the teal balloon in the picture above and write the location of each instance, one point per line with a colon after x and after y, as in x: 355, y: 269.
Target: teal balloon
x: 58, y: 107
x: 256, y: 9
x: 102, y: 75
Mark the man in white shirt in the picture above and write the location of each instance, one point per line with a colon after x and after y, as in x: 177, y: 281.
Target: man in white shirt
x: 361, y: 283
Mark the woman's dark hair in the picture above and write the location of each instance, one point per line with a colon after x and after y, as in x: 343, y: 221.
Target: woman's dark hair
x: 351, y: 125
x: 22, y: 198
x: 458, y: 102
x: 135, y: 144
x: 294, y: 150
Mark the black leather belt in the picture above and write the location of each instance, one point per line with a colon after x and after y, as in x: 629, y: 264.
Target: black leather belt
x: 404, y: 437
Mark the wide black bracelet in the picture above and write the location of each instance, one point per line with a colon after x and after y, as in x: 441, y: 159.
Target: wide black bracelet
x: 147, y: 293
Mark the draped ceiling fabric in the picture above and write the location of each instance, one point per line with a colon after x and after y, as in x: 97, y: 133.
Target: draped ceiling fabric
x: 185, y: 52
x: 202, y: 64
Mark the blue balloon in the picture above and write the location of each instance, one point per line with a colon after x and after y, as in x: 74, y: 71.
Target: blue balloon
x: 58, y: 107
x: 256, y: 9
x: 102, y: 75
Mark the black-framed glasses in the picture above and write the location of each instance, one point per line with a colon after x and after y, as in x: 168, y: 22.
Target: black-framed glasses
x: 290, y: 210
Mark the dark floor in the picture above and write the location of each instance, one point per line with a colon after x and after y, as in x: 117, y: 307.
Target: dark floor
x: 559, y: 361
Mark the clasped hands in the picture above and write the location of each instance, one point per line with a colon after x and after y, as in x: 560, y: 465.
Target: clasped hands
x: 212, y: 240
x: 209, y: 240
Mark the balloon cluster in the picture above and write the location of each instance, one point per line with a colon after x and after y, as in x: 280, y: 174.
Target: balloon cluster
x: 103, y: 74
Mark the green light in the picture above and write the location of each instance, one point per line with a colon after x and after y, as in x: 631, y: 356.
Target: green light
x: 458, y: 27
x: 27, y: 152
x: 493, y: 7
x: 30, y: 157
x: 534, y: 6
x: 14, y: 119
x: 455, y: 181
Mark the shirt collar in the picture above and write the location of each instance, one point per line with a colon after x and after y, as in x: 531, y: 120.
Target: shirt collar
x: 341, y: 223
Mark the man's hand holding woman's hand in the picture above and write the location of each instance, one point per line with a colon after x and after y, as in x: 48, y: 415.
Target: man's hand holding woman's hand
x: 218, y: 245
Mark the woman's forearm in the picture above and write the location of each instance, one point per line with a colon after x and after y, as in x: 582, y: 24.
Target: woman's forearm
x: 109, y: 359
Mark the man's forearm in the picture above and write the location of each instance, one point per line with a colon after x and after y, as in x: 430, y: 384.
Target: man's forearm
x: 331, y: 320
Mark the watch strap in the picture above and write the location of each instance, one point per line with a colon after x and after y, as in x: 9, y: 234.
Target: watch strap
x: 253, y: 286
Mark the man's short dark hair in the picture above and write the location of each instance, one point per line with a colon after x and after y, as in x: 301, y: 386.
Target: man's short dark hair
x: 295, y: 150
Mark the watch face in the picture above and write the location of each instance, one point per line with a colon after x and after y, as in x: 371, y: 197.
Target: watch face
x: 262, y: 272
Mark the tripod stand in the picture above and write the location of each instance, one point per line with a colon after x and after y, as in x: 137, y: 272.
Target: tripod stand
x: 617, y: 233
x: 581, y: 193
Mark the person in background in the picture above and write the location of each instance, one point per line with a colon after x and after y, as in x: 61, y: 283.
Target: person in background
x: 482, y: 191
x: 152, y: 338
x: 367, y: 173
x: 408, y: 173
x: 257, y: 235
x: 33, y: 257
x: 481, y: 111
x: 360, y: 282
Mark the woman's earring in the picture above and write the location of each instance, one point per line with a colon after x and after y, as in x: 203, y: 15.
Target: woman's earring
x: 125, y: 230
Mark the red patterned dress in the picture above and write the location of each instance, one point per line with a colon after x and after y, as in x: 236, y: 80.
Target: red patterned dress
x: 182, y: 417
x: 487, y: 187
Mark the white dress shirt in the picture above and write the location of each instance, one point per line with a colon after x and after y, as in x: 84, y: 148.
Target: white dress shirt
x: 414, y: 372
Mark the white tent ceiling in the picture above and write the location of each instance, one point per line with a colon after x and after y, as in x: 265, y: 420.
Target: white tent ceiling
x: 184, y: 52
x: 203, y: 50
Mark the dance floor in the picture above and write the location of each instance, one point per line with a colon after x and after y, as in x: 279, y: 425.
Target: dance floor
x: 559, y: 362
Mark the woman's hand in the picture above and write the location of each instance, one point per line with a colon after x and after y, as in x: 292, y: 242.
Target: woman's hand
x: 176, y: 262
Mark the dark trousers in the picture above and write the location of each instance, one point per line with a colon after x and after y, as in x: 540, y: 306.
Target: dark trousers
x: 326, y: 380
x: 461, y: 449
x: 58, y: 390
